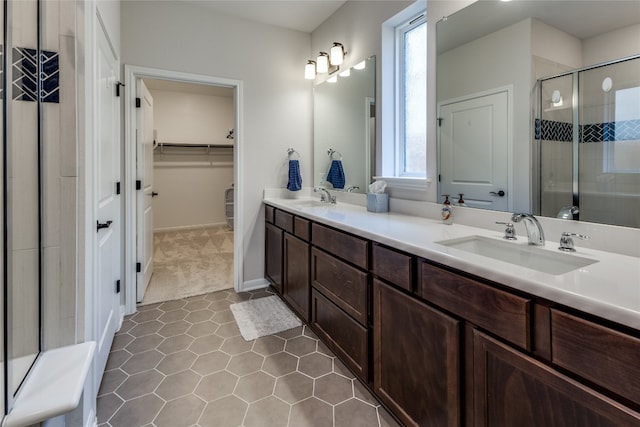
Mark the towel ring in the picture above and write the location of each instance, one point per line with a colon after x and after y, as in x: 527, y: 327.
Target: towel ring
x: 291, y: 152
x: 331, y: 152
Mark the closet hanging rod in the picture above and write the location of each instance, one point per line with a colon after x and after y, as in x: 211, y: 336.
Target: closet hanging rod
x: 189, y: 145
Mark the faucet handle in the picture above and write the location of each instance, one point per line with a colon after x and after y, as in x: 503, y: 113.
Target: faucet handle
x: 509, y: 231
x: 566, y: 241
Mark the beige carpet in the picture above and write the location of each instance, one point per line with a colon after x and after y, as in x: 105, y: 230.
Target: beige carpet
x: 190, y: 262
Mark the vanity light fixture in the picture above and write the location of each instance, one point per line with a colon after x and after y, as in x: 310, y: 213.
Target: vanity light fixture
x: 326, y: 62
x: 310, y: 70
x: 323, y: 63
x: 337, y: 54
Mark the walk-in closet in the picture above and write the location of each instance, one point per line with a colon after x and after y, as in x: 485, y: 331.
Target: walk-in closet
x: 192, y: 198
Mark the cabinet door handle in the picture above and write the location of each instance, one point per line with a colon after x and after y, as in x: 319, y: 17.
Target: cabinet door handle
x: 500, y: 193
x: 101, y: 225
x: 154, y: 194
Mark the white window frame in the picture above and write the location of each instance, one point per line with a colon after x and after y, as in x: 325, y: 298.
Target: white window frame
x: 389, y: 155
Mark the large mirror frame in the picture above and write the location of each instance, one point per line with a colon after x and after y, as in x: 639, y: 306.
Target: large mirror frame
x: 479, y: 46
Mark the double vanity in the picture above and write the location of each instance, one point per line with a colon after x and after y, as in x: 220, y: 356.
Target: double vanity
x: 453, y: 325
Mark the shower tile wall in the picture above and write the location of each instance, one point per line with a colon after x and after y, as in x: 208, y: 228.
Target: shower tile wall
x: 60, y: 177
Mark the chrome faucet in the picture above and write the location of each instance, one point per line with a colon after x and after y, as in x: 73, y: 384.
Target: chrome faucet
x: 534, y: 229
x: 352, y: 189
x: 325, y: 196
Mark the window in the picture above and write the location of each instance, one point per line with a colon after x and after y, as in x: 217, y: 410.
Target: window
x: 403, y: 106
x: 411, y: 97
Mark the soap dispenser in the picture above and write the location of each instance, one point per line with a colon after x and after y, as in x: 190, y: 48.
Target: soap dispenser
x: 447, y: 211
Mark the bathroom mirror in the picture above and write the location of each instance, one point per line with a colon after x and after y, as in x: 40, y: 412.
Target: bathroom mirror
x: 344, y: 127
x: 490, y: 55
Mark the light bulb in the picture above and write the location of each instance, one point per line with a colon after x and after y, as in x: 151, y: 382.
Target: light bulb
x: 323, y: 63
x: 310, y: 70
x: 337, y: 54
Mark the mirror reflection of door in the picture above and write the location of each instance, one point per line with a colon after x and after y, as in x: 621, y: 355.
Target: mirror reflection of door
x: 474, y: 150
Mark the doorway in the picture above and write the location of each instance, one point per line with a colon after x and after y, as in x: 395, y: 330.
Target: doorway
x: 194, y: 168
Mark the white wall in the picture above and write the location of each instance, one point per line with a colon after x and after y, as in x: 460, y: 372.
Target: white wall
x: 277, y: 101
x: 183, y: 117
x: 612, y: 45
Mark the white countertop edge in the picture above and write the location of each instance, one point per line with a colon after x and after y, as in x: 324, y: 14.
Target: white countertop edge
x: 518, y: 278
x: 54, y: 385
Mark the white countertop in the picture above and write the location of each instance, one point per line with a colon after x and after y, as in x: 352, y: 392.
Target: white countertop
x: 609, y: 288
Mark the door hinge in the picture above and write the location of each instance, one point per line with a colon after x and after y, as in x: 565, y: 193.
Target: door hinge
x: 138, y: 267
x: 138, y: 102
x: 118, y: 84
x: 117, y: 286
x: 439, y: 121
x: 138, y: 184
x: 118, y: 187
x: 438, y: 177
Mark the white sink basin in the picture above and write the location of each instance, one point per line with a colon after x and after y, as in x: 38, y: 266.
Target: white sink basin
x: 306, y: 203
x: 519, y: 254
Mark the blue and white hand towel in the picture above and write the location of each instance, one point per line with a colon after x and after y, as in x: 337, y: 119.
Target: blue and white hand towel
x: 295, y: 180
x: 336, y: 174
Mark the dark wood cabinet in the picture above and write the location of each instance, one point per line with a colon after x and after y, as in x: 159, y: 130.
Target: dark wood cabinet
x: 512, y: 389
x: 296, y: 290
x: 441, y: 347
x: 346, y: 337
x: 274, y: 239
x: 598, y: 353
x: 416, y: 359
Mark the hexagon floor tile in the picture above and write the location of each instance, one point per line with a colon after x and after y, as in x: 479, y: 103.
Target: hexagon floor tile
x: 183, y: 363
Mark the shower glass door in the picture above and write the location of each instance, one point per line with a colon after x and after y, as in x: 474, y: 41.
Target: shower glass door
x: 609, y: 157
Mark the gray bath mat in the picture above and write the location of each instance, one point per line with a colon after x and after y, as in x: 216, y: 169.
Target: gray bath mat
x: 263, y: 316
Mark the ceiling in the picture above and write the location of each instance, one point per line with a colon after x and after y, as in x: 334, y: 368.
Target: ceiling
x: 300, y: 15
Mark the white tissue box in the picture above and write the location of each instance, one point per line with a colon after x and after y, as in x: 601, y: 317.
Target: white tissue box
x: 378, y: 202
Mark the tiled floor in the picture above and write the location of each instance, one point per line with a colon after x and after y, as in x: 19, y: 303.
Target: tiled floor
x: 190, y: 262
x: 184, y: 363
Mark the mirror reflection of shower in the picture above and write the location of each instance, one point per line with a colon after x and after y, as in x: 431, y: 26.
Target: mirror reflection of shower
x: 587, y: 132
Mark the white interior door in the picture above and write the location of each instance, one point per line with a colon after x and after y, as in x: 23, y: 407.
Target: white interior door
x: 144, y: 160
x: 474, y: 150
x: 107, y: 201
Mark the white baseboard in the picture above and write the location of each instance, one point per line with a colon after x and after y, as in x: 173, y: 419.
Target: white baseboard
x: 187, y: 227
x: 252, y: 285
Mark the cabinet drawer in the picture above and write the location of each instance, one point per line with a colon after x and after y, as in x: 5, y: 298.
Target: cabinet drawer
x: 345, y: 246
x: 393, y: 266
x: 269, y: 212
x: 284, y: 220
x: 343, y: 284
x: 302, y: 228
x: 599, y: 354
x: 346, y: 337
x: 499, y: 312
